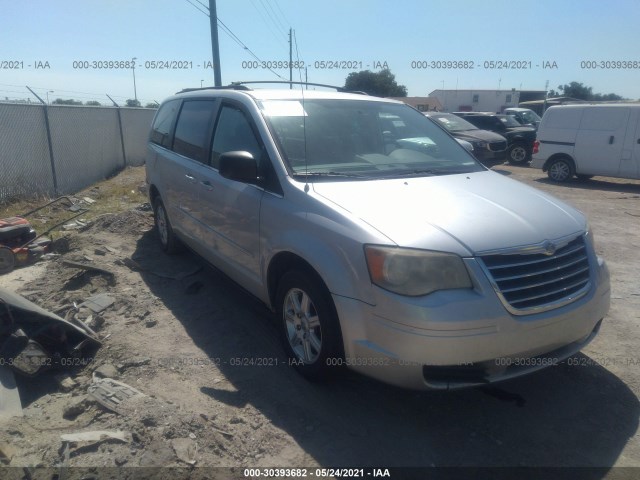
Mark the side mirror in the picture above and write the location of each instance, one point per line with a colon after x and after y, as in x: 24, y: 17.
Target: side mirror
x: 239, y: 166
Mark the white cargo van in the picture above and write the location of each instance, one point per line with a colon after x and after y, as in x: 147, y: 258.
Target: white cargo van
x: 588, y: 140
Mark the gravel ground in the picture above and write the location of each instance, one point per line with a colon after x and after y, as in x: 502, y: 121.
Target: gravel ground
x: 180, y: 333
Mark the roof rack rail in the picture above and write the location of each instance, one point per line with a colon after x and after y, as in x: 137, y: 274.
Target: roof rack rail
x: 233, y: 86
x: 287, y: 82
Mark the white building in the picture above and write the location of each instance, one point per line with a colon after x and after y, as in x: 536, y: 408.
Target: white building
x: 484, y: 100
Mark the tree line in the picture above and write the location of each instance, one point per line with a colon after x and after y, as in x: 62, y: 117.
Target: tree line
x: 93, y: 103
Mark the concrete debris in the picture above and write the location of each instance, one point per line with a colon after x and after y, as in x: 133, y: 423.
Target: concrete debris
x: 106, y: 370
x: 65, y: 382
x: 112, y: 394
x: 7, y: 452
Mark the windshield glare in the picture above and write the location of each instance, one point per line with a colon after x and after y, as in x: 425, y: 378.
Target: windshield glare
x: 452, y: 122
x: 530, y: 116
x: 362, y: 139
x: 509, y: 120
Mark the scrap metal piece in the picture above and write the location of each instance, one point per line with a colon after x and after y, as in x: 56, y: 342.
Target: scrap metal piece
x: 86, y: 266
x: 111, y: 393
x: 10, y: 405
x: 96, y: 436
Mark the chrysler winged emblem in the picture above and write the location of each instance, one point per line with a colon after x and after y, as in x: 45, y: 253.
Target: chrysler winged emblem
x: 549, y: 248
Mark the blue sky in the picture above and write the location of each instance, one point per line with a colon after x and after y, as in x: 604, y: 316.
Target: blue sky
x: 62, y: 32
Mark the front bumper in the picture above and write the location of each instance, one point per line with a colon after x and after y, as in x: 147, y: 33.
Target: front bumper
x: 460, y: 338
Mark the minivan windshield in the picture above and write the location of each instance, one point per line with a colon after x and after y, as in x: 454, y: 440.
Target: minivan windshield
x: 360, y: 139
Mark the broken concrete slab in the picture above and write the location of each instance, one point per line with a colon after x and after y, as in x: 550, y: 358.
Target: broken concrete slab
x: 98, y: 303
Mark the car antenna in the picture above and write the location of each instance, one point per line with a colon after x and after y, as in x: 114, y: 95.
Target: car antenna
x: 304, y: 115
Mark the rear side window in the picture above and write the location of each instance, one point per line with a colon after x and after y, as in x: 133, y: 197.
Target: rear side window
x: 193, y: 129
x: 163, y: 123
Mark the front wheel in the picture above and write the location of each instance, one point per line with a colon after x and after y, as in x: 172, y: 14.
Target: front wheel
x: 561, y: 170
x: 309, y: 324
x: 517, y: 153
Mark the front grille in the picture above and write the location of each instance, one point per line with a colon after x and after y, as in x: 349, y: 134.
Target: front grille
x: 528, y: 283
x: 497, y: 146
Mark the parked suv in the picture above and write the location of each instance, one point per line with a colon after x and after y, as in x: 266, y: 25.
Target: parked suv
x: 520, y: 139
x: 379, y: 240
x: 488, y: 147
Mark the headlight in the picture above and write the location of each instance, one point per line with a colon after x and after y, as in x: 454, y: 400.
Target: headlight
x: 415, y: 272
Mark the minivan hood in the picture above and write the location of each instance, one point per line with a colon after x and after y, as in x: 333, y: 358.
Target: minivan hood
x: 480, y: 211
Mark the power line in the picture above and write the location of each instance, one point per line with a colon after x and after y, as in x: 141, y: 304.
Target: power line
x: 235, y: 38
x: 197, y: 8
x: 287, y: 22
x: 275, y: 34
x: 262, y: 2
x: 275, y: 15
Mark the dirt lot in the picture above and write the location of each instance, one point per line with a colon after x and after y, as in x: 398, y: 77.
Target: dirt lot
x: 180, y: 332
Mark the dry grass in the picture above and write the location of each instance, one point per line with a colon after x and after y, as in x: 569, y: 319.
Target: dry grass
x: 117, y: 194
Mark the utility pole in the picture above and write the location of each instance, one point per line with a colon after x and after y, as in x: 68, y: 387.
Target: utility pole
x: 215, y: 46
x: 135, y: 92
x: 290, y: 61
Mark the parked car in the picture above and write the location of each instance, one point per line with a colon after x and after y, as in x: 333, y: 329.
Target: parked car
x: 587, y: 140
x: 519, y: 139
x: 524, y: 116
x: 488, y: 147
x: 378, y: 240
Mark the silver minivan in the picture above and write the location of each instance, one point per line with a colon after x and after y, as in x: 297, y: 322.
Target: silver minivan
x: 379, y: 241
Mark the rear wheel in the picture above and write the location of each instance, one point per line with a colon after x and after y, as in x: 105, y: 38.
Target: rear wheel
x: 168, y: 240
x: 309, y: 324
x: 561, y: 170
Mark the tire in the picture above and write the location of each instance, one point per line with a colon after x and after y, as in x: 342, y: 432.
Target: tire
x: 168, y: 240
x: 517, y: 154
x: 561, y: 169
x: 7, y: 260
x: 309, y: 324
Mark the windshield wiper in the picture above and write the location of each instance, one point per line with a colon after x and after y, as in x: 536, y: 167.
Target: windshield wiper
x: 421, y: 172
x: 328, y: 174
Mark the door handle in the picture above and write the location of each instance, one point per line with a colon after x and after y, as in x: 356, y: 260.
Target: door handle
x: 611, y: 140
x: 191, y: 178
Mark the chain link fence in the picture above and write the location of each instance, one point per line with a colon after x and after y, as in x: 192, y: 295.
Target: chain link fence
x: 58, y: 150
